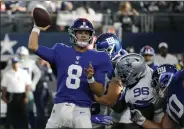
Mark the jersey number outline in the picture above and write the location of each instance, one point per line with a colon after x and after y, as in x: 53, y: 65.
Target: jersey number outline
x: 174, y: 102
x: 74, y: 76
x: 141, y: 91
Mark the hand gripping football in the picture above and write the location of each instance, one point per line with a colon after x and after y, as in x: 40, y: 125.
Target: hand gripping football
x: 41, y: 17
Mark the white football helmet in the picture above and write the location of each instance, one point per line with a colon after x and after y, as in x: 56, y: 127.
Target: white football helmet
x: 22, y: 52
x: 130, y: 68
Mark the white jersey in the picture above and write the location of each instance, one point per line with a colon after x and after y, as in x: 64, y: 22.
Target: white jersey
x: 169, y: 59
x: 16, y: 81
x: 142, y: 91
x: 140, y: 95
x: 30, y: 66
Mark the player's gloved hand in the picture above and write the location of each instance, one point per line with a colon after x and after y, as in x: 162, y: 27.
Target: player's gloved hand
x: 137, y: 117
x: 101, y: 119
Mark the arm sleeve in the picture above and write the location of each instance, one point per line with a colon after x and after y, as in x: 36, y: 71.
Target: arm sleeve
x: 120, y: 106
x: 104, y: 70
x: 37, y: 76
x: 46, y: 53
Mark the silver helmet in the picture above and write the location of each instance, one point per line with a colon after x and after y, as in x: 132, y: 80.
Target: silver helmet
x: 22, y: 52
x: 130, y: 68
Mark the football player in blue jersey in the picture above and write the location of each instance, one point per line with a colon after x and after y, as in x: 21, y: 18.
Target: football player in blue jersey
x: 174, y: 113
x: 81, y: 73
x: 109, y: 43
x: 161, y: 78
x: 148, y: 53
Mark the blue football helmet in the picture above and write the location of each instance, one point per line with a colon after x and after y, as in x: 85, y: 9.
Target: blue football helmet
x: 81, y: 24
x: 109, y: 42
x: 148, y: 50
x: 162, y: 78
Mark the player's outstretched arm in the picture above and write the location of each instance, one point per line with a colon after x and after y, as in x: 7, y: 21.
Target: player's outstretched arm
x: 165, y: 124
x: 150, y: 124
x: 33, y: 38
x: 113, y: 93
x: 139, y: 119
x: 43, y: 52
x: 97, y: 88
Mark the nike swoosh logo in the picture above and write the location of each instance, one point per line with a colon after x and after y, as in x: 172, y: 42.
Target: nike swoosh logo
x: 97, y: 118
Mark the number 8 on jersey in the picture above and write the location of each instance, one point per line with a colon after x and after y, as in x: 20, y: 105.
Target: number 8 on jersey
x: 74, y: 73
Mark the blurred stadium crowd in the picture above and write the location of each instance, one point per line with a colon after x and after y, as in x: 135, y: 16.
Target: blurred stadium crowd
x: 132, y: 16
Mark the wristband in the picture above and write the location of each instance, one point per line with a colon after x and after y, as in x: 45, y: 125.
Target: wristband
x: 91, y: 80
x: 37, y: 30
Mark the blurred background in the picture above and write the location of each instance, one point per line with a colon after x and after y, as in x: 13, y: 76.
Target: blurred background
x: 136, y: 23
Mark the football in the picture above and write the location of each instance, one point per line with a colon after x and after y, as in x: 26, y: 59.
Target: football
x: 41, y: 17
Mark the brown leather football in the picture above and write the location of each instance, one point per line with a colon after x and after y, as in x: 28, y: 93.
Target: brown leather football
x: 41, y: 17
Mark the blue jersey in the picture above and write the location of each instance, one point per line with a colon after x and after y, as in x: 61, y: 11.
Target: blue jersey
x: 153, y: 66
x: 72, y: 85
x: 175, y: 103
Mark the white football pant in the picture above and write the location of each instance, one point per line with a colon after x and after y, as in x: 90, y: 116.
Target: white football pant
x: 68, y: 115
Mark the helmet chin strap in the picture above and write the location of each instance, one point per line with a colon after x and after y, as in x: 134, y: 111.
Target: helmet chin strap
x: 82, y: 44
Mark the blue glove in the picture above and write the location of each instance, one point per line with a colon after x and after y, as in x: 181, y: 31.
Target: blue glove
x: 101, y: 119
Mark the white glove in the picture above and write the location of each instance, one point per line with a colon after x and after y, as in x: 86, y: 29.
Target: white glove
x: 137, y: 117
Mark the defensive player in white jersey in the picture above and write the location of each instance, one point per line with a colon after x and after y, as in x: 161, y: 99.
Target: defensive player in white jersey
x: 131, y: 72
x: 33, y: 70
